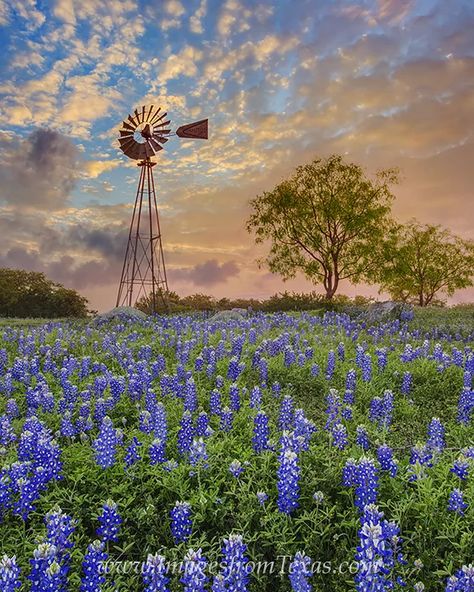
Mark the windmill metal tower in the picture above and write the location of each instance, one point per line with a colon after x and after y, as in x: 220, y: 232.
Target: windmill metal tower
x: 141, y: 137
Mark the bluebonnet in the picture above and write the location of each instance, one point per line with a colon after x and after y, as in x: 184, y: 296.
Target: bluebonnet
x: 93, y: 568
x: 349, y: 473
x: 331, y: 364
x: 286, y: 418
x: 110, y: 522
x: 59, y: 530
x: 377, y: 553
x: 366, y: 367
x: 362, y: 437
x: 181, y: 522
x: 288, y: 475
x: 367, y: 483
x: 236, y: 468
x: 235, y: 369
x: 29, y: 489
x: 45, y: 574
x: 420, y: 458
x: 215, y: 402
x: 11, y: 408
x: 351, y: 378
x: 226, y: 419
x: 157, y: 451
x: 339, y: 436
x: 198, y: 454
x: 460, y: 468
x: 300, y: 573
x: 7, y: 433
x: 234, y: 397
x: 202, y: 425
x: 289, y: 356
x: 381, y: 410
x: 314, y: 370
x: 159, y: 421
x: 234, y: 561
x: 318, y: 497
x: 465, y: 406
x: 185, y: 433
x: 304, y: 429
x: 261, y: 432
x: 463, y: 581
x: 105, y: 445
x: 190, y: 397
x: 255, y: 397
x: 194, y: 578
x: 381, y: 358
x: 262, y: 497
x: 456, y: 502
x: 132, y: 455
x: 406, y: 383
x: 154, y: 574
x: 386, y: 460
x: 341, y: 352
x: 436, y: 433
x: 9, y: 574
x: 333, y: 409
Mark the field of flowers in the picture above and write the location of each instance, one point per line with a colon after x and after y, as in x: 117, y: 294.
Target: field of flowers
x: 277, y: 452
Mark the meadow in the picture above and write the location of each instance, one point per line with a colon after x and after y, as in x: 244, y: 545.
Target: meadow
x: 285, y: 451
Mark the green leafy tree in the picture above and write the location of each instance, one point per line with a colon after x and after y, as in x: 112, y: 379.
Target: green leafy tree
x: 329, y: 221
x: 29, y: 294
x: 427, y: 262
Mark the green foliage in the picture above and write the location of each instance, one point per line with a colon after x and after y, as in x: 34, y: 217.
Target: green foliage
x: 426, y: 263
x: 329, y: 221
x: 26, y: 294
x: 221, y: 504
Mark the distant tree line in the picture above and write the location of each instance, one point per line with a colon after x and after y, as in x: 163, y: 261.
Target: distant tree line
x: 29, y: 294
x: 283, y: 301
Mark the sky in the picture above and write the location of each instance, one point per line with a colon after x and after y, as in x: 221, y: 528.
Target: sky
x: 383, y: 82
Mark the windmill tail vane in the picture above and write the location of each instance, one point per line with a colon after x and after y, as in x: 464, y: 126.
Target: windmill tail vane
x: 142, y: 136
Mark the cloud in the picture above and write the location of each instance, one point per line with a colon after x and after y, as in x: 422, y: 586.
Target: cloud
x: 39, y: 172
x: 94, y: 168
x: 195, y: 22
x: 208, y: 273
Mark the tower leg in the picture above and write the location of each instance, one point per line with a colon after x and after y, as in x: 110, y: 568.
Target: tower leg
x: 143, y: 275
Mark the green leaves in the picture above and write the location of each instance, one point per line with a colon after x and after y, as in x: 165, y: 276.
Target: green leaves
x: 327, y: 221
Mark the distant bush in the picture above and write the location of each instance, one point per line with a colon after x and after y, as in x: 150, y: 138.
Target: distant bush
x: 29, y: 294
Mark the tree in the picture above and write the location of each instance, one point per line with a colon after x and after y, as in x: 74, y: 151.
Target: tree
x: 30, y: 294
x: 328, y: 221
x: 427, y: 261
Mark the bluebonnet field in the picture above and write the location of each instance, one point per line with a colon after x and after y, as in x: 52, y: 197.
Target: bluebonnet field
x: 277, y: 452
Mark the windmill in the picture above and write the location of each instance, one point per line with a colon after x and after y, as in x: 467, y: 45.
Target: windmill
x: 142, y: 136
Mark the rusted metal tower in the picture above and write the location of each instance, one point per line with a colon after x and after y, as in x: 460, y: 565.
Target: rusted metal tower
x: 144, y: 273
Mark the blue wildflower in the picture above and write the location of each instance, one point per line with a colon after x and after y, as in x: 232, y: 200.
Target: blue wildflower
x: 110, y: 522
x: 154, y: 574
x: 362, y: 437
x: 235, y: 573
x: 9, y: 574
x: 93, y: 568
x: 236, y: 468
x: 286, y: 419
x: 460, y: 468
x: 288, y: 474
x: 463, y: 581
x: 456, y: 502
x: 339, y: 436
x: 185, y: 433
x: 181, y: 522
x: 105, y: 445
x: 261, y: 432
x: 194, y: 578
x: 198, y: 456
x: 132, y: 455
x: 300, y: 572
x: 157, y: 451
